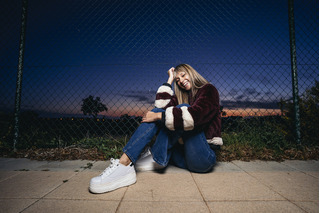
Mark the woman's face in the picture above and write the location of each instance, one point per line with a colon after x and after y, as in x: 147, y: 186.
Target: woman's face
x: 183, y: 80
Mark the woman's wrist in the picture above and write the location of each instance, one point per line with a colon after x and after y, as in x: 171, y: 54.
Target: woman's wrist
x: 170, y: 80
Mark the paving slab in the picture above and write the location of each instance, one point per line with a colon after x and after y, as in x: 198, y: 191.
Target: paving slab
x: 226, y: 167
x: 163, y: 187
x: 304, y: 166
x: 295, y: 186
x: 236, y: 187
x: 23, y: 164
x: 65, y: 206
x: 72, y: 165
x: 7, y: 174
x: 262, y: 166
x: 32, y: 184
x: 15, y: 205
x: 19, y: 164
x: 160, y: 207
x: 254, y: 206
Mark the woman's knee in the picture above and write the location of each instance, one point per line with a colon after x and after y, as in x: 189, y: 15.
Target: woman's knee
x: 201, y: 165
x: 157, y: 110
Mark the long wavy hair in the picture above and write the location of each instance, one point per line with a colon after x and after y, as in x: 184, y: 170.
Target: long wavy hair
x: 196, y: 80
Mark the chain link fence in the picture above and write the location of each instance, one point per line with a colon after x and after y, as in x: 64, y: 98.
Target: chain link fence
x: 117, y: 53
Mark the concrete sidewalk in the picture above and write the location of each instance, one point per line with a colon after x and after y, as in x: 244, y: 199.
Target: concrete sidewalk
x: 258, y: 186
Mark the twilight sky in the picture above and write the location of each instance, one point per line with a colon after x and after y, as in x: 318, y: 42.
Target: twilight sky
x: 120, y: 51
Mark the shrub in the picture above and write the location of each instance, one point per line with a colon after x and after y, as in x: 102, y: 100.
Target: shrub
x: 309, y: 117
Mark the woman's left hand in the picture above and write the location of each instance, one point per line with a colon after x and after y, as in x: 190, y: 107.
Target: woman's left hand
x: 151, y: 117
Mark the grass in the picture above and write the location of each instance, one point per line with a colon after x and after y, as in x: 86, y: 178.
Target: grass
x: 244, y: 139
x: 109, y: 146
x: 263, y: 142
x: 260, y: 143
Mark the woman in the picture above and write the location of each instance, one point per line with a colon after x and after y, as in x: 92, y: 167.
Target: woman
x: 186, y: 123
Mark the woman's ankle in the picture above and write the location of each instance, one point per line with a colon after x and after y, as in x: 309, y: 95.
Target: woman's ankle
x: 125, y: 160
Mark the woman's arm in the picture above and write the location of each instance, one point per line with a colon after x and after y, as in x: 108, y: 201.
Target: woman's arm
x: 165, y: 96
x: 171, y: 75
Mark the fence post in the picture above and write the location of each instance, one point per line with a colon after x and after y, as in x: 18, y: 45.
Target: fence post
x: 19, y: 73
x: 295, y: 90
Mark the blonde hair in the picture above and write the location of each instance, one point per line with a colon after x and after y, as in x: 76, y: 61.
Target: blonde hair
x: 196, y: 80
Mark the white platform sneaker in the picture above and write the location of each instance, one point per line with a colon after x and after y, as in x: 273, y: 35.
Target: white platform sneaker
x: 146, y: 162
x: 113, y: 177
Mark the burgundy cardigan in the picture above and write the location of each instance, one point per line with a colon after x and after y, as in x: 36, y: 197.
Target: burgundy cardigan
x: 203, y: 113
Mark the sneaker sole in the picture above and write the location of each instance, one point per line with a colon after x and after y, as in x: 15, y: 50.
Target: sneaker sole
x: 148, y: 168
x: 125, y: 181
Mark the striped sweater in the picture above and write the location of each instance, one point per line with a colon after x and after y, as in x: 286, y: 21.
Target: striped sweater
x: 203, y: 114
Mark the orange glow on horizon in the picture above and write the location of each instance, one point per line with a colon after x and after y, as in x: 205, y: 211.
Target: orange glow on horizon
x: 251, y: 112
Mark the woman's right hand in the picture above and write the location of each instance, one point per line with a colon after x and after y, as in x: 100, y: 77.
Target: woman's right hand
x: 171, y: 75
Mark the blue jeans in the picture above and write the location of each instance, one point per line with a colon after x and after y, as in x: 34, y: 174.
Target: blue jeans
x: 194, y: 154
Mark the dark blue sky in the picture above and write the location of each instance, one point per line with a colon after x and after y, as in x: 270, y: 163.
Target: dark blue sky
x: 121, y: 50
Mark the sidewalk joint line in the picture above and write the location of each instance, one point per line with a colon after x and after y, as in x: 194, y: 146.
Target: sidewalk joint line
x: 117, y: 209
x: 200, y: 192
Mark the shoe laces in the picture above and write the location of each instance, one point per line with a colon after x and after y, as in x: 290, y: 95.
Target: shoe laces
x: 114, y: 164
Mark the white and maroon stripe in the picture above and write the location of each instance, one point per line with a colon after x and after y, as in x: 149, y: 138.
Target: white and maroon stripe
x: 169, y: 118
x: 163, y: 96
x: 188, y: 122
x: 179, y: 118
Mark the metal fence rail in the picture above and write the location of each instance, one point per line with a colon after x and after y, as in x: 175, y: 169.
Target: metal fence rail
x: 120, y: 51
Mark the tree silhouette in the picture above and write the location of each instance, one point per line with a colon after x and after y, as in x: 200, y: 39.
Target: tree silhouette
x: 91, y: 106
x: 223, y: 113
